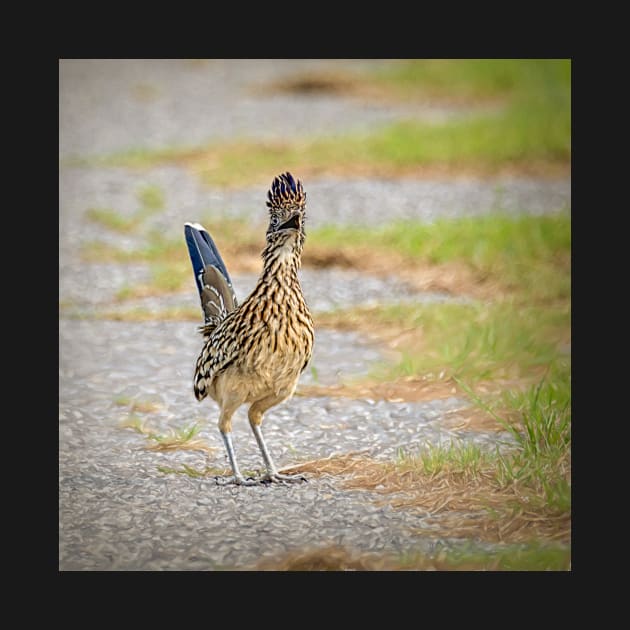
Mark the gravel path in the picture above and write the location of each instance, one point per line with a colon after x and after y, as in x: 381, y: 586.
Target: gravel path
x: 356, y: 201
x: 108, y: 106
x: 117, y: 511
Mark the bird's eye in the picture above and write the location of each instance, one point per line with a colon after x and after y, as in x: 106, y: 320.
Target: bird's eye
x: 274, y: 221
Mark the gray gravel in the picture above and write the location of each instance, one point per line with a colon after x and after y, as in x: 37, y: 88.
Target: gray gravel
x: 363, y: 202
x: 375, y: 201
x: 114, y: 105
x: 330, y: 201
x: 117, y: 511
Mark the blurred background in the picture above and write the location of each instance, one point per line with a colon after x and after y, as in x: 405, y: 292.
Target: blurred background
x: 148, y: 144
x: 434, y: 187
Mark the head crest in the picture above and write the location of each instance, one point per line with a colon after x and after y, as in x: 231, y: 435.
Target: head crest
x: 286, y: 193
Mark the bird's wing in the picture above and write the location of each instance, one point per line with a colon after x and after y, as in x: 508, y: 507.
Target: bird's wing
x: 218, y: 353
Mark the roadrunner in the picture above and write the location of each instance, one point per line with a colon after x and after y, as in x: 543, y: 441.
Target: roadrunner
x: 254, y: 353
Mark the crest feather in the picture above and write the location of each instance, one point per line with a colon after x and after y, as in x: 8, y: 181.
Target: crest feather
x: 286, y: 193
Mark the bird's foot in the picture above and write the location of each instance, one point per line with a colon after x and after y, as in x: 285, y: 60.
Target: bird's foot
x: 281, y: 478
x: 236, y: 480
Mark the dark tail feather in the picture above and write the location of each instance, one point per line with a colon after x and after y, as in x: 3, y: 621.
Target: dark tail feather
x: 203, y: 252
x: 211, y: 275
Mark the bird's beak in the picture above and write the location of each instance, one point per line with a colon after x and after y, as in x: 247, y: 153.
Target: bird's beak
x: 293, y: 223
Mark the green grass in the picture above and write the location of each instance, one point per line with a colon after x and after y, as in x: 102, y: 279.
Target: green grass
x: 140, y: 314
x: 534, y: 124
x: 456, y: 457
x: 168, y: 250
x: 183, y: 438
x: 531, y: 254
x: 543, y: 458
x: 112, y: 220
x: 167, y: 259
x: 532, y: 557
x: 520, y: 338
x: 515, y: 335
x: 475, y: 79
x: 208, y: 471
x: 531, y: 126
x: 516, y: 135
x: 473, y: 342
x: 528, y: 255
x: 151, y: 200
x: 540, y: 454
x: 176, y: 436
x: 519, y: 492
x: 191, y: 472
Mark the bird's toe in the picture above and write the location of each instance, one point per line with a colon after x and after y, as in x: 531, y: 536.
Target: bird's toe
x: 238, y: 481
x: 282, y: 478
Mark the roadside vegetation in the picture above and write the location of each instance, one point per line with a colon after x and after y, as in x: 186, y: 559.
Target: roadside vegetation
x: 514, y: 557
x: 150, y: 200
x: 519, y: 121
x: 510, y: 355
x: 183, y: 438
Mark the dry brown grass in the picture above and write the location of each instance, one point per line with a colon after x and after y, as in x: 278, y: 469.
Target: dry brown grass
x: 411, y: 388
x: 331, y: 558
x: 475, y: 419
x: 418, y: 389
x: 450, y: 277
x: 342, y: 464
x: 142, y: 406
x: 173, y: 443
x: 173, y: 440
x: 455, y: 503
x: 339, y: 558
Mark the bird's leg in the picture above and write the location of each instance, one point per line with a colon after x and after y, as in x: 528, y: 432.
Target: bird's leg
x: 225, y: 426
x: 272, y: 471
x: 255, y: 420
x: 237, y: 478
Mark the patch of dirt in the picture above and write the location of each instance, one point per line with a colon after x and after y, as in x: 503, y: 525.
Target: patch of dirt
x: 338, y: 558
x: 331, y: 558
x: 311, y: 84
x: 356, y: 86
x: 320, y: 83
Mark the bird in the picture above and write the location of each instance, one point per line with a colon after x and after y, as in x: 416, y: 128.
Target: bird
x: 254, y: 353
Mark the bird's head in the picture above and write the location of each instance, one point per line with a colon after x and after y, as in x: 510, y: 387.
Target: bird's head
x: 286, y: 201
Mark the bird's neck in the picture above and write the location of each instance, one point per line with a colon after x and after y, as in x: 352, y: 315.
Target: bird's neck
x: 281, y: 263
x: 278, y: 293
